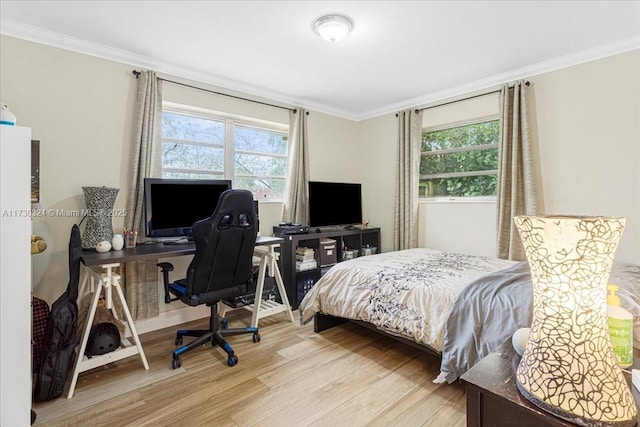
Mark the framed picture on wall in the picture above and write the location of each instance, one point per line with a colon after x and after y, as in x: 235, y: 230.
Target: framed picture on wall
x: 35, y: 172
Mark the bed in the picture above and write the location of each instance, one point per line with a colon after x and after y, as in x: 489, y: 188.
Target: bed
x: 460, y: 307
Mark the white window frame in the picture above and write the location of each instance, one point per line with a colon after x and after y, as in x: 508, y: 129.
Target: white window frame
x: 230, y: 121
x: 450, y: 125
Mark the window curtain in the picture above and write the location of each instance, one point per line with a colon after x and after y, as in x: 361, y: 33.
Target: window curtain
x: 141, y: 277
x: 516, y: 175
x: 296, y: 207
x: 405, y: 224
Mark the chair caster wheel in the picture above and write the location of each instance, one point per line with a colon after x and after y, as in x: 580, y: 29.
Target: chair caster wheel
x: 179, y: 340
x: 232, y: 360
x: 256, y: 337
x: 176, y: 363
x: 224, y: 323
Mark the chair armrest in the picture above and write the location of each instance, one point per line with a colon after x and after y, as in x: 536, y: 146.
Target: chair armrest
x: 166, y: 267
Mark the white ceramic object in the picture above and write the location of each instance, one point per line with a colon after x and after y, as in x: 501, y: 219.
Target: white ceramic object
x: 6, y: 116
x: 103, y: 246
x: 519, y: 339
x: 117, y: 242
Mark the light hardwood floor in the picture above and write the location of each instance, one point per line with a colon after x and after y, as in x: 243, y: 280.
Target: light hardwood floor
x: 345, y: 376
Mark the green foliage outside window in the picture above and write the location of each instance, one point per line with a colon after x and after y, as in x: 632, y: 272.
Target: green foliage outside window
x: 460, y: 161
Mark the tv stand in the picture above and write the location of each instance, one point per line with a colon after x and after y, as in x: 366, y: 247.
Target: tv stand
x: 297, y: 283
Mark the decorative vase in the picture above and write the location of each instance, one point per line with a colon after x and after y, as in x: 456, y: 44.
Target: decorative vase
x: 100, y: 201
x: 568, y: 367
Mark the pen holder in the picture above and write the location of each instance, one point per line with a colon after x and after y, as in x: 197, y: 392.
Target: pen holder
x: 130, y: 240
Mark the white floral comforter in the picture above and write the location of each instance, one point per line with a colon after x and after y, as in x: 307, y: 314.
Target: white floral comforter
x: 408, y: 293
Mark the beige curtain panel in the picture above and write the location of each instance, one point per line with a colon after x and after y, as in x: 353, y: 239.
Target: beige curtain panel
x: 517, y: 194
x: 141, y: 277
x: 296, y: 207
x: 405, y: 224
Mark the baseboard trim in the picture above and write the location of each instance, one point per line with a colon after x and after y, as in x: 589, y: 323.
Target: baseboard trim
x: 170, y: 318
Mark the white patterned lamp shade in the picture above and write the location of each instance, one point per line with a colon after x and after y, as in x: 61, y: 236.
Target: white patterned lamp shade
x: 568, y: 367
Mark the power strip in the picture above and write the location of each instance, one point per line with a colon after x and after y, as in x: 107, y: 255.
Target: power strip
x: 635, y: 378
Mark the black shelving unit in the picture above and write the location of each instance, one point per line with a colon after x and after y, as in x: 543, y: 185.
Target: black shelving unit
x: 298, y: 283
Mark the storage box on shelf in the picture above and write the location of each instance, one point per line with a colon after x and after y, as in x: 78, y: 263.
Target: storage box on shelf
x: 328, y: 252
x: 348, y: 254
x: 368, y: 250
x: 326, y: 248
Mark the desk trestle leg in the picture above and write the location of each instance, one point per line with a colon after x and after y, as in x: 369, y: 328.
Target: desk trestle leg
x: 262, y: 308
x: 84, y: 363
x: 283, y: 292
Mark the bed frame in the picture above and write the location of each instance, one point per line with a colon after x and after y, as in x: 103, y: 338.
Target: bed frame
x: 322, y: 322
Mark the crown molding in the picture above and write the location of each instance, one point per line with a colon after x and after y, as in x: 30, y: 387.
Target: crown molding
x: 62, y: 41
x: 495, y: 81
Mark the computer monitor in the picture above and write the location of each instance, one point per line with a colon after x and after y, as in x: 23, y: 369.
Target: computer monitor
x: 334, y: 204
x: 172, y: 206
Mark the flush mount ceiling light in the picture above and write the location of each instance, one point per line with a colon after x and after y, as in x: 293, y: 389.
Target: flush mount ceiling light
x: 333, y: 28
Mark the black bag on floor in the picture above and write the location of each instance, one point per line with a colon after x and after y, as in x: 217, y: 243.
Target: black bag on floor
x: 40, y: 316
x: 60, y: 335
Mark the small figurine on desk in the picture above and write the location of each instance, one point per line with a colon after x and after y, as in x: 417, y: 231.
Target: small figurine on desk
x: 103, y: 246
x: 365, y: 223
x: 117, y: 243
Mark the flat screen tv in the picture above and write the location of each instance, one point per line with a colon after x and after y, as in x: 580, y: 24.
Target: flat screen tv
x: 334, y: 204
x: 171, y: 206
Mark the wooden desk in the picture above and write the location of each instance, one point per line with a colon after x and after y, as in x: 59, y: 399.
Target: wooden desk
x: 105, y: 277
x: 153, y: 251
x: 493, y: 398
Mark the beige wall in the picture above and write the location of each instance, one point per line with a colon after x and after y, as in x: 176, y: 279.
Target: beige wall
x: 587, y: 132
x: 459, y: 226
x: 377, y: 158
x: 81, y: 109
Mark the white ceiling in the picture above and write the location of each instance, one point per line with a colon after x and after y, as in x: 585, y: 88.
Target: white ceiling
x: 400, y: 54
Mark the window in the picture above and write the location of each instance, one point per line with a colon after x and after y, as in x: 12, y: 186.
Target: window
x: 201, y: 144
x: 260, y: 161
x: 460, y: 161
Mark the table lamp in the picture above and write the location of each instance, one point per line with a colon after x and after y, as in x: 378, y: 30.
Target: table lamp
x: 568, y: 367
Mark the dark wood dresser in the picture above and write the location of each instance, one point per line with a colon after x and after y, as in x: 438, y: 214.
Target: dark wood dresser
x: 493, y: 398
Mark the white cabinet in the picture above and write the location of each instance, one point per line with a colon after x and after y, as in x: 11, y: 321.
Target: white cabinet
x: 15, y: 276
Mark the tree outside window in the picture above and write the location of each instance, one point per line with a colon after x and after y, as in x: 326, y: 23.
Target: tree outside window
x: 253, y: 155
x: 460, y: 161
x: 260, y: 161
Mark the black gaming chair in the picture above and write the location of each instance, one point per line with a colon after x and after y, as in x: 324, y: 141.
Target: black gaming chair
x: 221, y: 269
